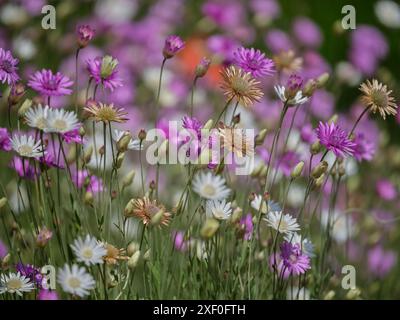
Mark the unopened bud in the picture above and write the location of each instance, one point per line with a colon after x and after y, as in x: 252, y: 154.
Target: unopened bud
x: 122, y: 144
x: 202, y: 67
x: 147, y: 255
x: 319, y: 169
x: 333, y: 119
x: 322, y: 79
x: 26, y: 105
x: 236, y: 119
x: 259, y: 139
x: 120, y: 160
x: 310, y: 87
x: 297, y: 170
x: 88, y: 154
x: 142, y: 135
x: 3, y: 202
x: 157, y: 218
x: 315, y: 147
x: 130, y: 206
x: 134, y: 260
x: 209, y: 228
x: 82, y: 131
x: 16, y: 93
x: 318, y: 182
x: 128, y: 179
x: 236, y: 215
x: 132, y: 248
x: 88, y: 198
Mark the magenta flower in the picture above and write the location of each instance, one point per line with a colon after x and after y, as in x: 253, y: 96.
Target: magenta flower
x: 8, y: 67
x: 3, y: 250
x: 246, y: 226
x: 293, y: 259
x: 85, y: 33
x: 191, y: 124
x: 47, y: 295
x: 254, y: 61
x: 335, y: 139
x: 104, y: 72
x: 172, y: 45
x: 380, y: 262
x: 288, y: 161
x: 73, y: 136
x: 31, y: 272
x: 307, y: 32
x: 23, y: 168
x: 364, y: 149
x: 5, y: 143
x: 179, y: 241
x: 51, y: 85
x: 386, y: 190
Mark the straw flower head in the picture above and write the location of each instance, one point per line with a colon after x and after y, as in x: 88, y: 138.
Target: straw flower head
x: 106, y: 113
x: 377, y: 96
x: 145, y: 209
x: 240, y: 85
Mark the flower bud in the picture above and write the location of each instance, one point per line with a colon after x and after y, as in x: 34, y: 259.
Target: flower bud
x: 132, y: 248
x: 260, y: 137
x: 82, y: 131
x: 84, y: 34
x: 318, y: 182
x: 134, y: 260
x: 209, y: 228
x: 147, y: 255
x: 43, y: 237
x: 322, y: 79
x: 315, y: 147
x: 330, y: 295
x: 26, y: 105
x: 157, y: 218
x: 310, y: 87
x: 297, y: 170
x: 122, y: 144
x: 142, y: 135
x: 172, y: 45
x: 333, y: 119
x: 202, y: 67
x: 3, y: 202
x: 130, y: 206
x: 208, y: 125
x: 120, y: 160
x: 16, y: 93
x: 319, y: 169
x: 88, y: 154
x: 128, y: 179
x: 236, y: 215
x: 88, y: 198
x: 236, y: 119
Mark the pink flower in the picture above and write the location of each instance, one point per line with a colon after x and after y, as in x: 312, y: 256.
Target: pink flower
x: 335, y: 139
x: 109, y: 79
x: 5, y: 143
x: 254, y: 61
x: 380, y: 262
x: 47, y: 295
x: 8, y: 67
x: 293, y: 259
x: 386, y: 190
x: 85, y: 34
x: 173, y: 44
x: 48, y: 84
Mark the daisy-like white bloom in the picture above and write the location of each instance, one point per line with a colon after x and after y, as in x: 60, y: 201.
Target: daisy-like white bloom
x: 377, y: 97
x: 335, y: 139
x: 296, y: 99
x: 133, y: 144
x: 61, y: 121
x: 220, y: 210
x: 283, y: 223
x: 26, y: 146
x: 306, y: 245
x: 254, y: 61
x: 37, y: 117
x: 240, y: 85
x: 265, y: 206
x: 15, y: 283
x: 8, y: 67
x: 106, y: 112
x: 48, y: 84
x: 88, y: 250
x: 75, y: 280
x: 210, y: 187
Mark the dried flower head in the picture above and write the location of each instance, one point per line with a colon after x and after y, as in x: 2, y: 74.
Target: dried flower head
x: 241, y: 86
x: 145, y: 209
x: 378, y: 98
x: 237, y: 141
x: 287, y: 62
x: 106, y: 112
x: 114, y: 254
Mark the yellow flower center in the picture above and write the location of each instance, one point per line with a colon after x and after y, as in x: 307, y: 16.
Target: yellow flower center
x: 25, y: 150
x: 60, y: 125
x: 14, y: 284
x: 74, y: 282
x: 87, y: 253
x: 209, y: 190
x: 41, y: 123
x: 379, y: 98
x: 106, y: 114
x: 240, y: 86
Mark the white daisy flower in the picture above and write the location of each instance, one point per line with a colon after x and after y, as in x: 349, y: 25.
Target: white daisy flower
x: 134, y: 144
x: 75, y: 280
x: 259, y: 202
x: 61, y: 121
x: 37, y: 117
x: 306, y: 245
x: 15, y: 283
x: 220, y: 210
x: 283, y: 223
x: 88, y: 250
x: 26, y: 146
x: 298, y: 98
x: 210, y: 187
